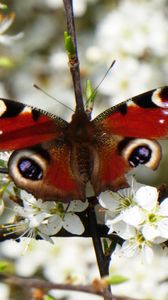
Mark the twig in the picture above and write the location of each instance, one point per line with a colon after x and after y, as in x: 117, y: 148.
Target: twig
x: 74, y: 64
x: 46, y: 285
x: 101, y: 230
x: 102, y: 260
x: 3, y: 171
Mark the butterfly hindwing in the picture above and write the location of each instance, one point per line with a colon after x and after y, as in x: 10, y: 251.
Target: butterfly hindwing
x: 42, y: 156
x: 126, y: 137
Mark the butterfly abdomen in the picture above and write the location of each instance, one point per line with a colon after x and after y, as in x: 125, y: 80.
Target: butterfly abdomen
x: 84, y: 163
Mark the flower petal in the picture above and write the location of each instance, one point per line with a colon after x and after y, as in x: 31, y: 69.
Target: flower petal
x: 150, y: 232
x: 77, y: 206
x: 73, y: 224
x: 125, y: 231
x: 109, y: 200
x: 53, y: 227
x: 146, y: 197
x: 163, y: 209
x: 148, y: 254
x: 130, y: 248
x: 133, y: 216
x: 163, y: 227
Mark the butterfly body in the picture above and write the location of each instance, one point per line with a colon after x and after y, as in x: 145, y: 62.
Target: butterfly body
x: 54, y: 159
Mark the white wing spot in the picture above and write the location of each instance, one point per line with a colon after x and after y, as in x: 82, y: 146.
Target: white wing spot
x: 156, y: 99
x: 3, y: 108
x: 162, y: 121
x: 26, y: 109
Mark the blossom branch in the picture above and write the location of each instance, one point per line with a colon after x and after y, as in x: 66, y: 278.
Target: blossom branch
x: 46, y: 285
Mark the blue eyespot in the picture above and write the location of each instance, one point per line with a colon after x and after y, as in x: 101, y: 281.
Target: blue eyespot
x: 140, y: 155
x: 30, y: 169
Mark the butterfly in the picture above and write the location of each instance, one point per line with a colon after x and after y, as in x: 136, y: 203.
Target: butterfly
x: 54, y: 159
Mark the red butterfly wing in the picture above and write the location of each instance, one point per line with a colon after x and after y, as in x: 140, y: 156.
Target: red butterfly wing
x: 40, y: 136
x: 23, y: 126
x: 144, y: 116
x: 125, y: 136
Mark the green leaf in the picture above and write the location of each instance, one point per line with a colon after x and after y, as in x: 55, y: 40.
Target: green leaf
x: 2, y: 163
x: 3, y: 6
x: 105, y: 246
x: 6, y: 267
x: 6, y: 62
x: 116, y: 279
x: 49, y: 297
x: 90, y: 96
x: 69, y: 45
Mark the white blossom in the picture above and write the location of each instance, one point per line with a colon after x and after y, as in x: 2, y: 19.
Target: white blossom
x: 5, y: 24
x: 136, y: 215
x: 45, y: 219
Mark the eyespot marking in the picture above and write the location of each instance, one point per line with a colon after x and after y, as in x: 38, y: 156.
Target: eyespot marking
x: 142, y: 151
x: 29, y: 169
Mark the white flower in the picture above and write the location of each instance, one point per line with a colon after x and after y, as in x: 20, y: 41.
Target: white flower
x: 136, y: 215
x: 138, y: 246
x: 45, y: 218
x: 68, y: 219
x: 151, y: 216
x: 139, y: 208
x: 5, y: 24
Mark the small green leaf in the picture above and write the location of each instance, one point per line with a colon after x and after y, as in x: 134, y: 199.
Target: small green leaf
x: 105, y: 245
x: 49, y: 297
x: 90, y: 96
x: 3, y: 6
x: 69, y: 45
x: 89, y: 89
x: 6, y: 267
x: 2, y: 163
x: 6, y: 62
x: 116, y: 279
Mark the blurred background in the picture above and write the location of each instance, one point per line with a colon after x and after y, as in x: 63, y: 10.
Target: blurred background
x: 135, y: 34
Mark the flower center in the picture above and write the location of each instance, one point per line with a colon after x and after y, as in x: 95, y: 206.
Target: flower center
x: 152, y: 218
x: 140, y: 238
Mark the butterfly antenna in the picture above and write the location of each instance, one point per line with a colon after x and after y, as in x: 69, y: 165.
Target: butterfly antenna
x: 39, y: 88
x: 90, y: 99
x: 108, y: 70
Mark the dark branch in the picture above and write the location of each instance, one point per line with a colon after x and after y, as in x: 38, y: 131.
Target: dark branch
x: 102, y: 260
x: 3, y: 171
x: 46, y: 285
x: 101, y: 230
x: 74, y: 63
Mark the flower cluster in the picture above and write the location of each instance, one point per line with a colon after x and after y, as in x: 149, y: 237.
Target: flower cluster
x: 136, y: 215
x: 40, y: 218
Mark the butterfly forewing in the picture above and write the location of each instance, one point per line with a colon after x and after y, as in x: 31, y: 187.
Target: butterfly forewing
x: 143, y: 116
x: 22, y: 126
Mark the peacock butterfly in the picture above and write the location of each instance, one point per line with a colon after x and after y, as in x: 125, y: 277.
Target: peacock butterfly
x: 54, y: 159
